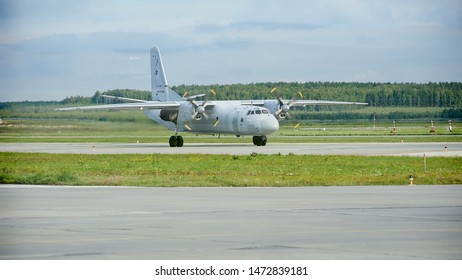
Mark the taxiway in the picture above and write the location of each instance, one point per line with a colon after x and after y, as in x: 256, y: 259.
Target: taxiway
x: 368, y: 149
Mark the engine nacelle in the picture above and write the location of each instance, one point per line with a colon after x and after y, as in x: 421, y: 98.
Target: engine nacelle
x: 169, y: 115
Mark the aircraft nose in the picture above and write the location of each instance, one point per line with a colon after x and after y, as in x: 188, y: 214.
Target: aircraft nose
x: 269, y: 125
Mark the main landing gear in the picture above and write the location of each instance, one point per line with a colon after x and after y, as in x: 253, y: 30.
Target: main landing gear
x: 175, y: 141
x: 259, y: 140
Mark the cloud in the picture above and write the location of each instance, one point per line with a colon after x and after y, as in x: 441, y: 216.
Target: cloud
x: 68, y: 64
x: 254, y: 25
x: 52, y: 49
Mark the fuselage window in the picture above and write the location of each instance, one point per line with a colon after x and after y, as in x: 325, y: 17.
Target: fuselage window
x: 242, y: 119
x: 252, y: 113
x: 248, y: 112
x: 265, y: 111
x: 258, y: 112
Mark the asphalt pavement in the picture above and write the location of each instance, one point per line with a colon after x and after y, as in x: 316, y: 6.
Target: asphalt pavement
x: 368, y: 149
x: 380, y: 222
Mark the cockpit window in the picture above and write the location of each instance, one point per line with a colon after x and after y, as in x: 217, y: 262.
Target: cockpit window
x: 258, y: 112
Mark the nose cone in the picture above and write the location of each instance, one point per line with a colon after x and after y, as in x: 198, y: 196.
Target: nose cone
x: 269, y: 125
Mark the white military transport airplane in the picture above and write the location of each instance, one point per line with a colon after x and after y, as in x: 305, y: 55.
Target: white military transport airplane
x: 257, y: 118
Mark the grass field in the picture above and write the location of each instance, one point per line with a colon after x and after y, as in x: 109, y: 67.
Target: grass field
x: 146, y: 131
x: 44, y: 124
x: 218, y: 170
x: 224, y: 170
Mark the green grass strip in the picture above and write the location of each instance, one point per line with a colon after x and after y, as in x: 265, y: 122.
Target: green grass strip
x: 195, y: 170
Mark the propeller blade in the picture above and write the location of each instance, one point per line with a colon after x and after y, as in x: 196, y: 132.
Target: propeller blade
x: 185, y: 94
x: 300, y: 94
x: 194, y: 115
x: 187, y: 127
x: 296, y: 126
x: 274, y: 89
x: 213, y: 92
x: 205, y: 115
x: 281, y: 101
x: 194, y: 103
x: 216, y: 123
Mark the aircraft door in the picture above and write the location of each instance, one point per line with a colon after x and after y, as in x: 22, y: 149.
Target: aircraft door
x: 239, y: 122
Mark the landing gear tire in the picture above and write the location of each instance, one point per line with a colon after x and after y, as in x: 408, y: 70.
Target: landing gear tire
x: 255, y: 140
x: 175, y: 141
x: 259, y: 140
x: 179, y: 141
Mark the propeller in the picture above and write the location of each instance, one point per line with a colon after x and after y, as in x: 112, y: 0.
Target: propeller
x: 199, y: 110
x: 284, y: 107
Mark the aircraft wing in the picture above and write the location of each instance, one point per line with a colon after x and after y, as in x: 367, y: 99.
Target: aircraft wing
x: 302, y: 102
x: 127, y: 106
x: 324, y: 102
x: 253, y: 102
x: 124, y: 98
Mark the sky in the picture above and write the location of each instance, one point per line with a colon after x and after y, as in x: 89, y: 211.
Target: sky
x: 51, y: 49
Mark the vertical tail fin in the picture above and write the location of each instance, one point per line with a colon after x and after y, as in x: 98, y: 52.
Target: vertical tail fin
x: 159, y: 85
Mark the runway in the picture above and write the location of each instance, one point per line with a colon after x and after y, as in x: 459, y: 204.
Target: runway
x: 47, y: 222
x: 367, y: 149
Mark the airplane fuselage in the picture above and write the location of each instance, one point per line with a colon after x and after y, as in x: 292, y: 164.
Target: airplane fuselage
x: 223, y: 117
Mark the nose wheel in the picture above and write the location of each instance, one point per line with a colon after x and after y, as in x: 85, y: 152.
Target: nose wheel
x: 175, y: 141
x: 259, y: 140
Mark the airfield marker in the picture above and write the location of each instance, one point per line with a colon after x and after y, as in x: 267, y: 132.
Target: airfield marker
x: 425, y: 164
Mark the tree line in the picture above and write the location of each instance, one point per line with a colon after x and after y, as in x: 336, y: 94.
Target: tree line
x: 447, y: 96
x: 375, y: 94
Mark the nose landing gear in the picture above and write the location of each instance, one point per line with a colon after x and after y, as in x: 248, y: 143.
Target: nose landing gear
x: 259, y: 140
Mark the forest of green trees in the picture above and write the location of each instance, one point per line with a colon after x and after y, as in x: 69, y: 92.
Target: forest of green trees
x: 447, y: 96
x: 375, y: 94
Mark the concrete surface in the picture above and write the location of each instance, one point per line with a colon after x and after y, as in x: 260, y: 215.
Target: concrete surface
x: 47, y: 222
x: 411, y: 149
